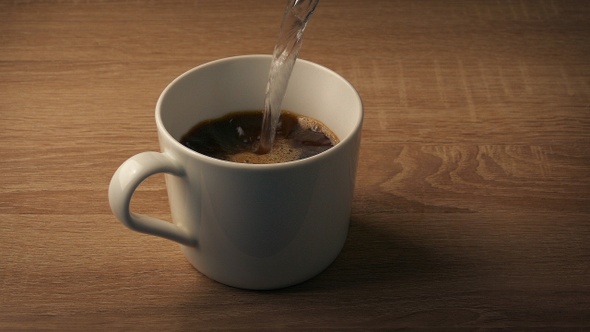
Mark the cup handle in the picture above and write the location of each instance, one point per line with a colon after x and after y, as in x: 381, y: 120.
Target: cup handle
x: 123, y: 184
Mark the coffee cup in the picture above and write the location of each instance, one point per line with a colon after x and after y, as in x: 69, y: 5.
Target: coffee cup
x: 251, y: 226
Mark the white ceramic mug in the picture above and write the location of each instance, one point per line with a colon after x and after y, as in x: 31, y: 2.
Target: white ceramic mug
x: 249, y: 226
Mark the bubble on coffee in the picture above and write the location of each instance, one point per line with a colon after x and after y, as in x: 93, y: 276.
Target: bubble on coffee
x: 236, y: 136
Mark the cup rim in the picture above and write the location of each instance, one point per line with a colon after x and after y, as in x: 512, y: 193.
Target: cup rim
x: 232, y: 164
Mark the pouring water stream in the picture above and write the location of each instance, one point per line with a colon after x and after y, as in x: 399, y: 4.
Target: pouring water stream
x: 295, y: 18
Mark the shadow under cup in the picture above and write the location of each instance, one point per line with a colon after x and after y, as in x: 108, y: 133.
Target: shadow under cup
x: 261, y: 226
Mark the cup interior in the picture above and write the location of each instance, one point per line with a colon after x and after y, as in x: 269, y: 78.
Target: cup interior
x: 238, y: 84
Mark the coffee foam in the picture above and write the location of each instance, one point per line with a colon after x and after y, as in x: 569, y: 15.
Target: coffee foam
x: 282, y: 151
x: 317, y: 126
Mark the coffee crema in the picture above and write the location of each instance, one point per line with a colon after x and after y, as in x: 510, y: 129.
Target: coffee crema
x: 236, y: 137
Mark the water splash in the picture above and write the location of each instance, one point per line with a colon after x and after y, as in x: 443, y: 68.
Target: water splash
x: 295, y: 19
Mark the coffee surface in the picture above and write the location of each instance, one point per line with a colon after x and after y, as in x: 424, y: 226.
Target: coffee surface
x: 236, y: 137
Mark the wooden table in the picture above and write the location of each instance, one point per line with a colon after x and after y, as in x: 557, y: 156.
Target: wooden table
x: 472, y: 206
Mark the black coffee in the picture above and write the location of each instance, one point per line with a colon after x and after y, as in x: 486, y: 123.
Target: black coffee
x: 236, y: 136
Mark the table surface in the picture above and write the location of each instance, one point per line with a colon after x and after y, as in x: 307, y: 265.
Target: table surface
x: 472, y: 203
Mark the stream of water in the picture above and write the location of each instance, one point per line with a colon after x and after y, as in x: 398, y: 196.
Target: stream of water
x: 295, y: 18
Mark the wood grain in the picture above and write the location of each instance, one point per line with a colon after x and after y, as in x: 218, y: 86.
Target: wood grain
x: 472, y: 204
